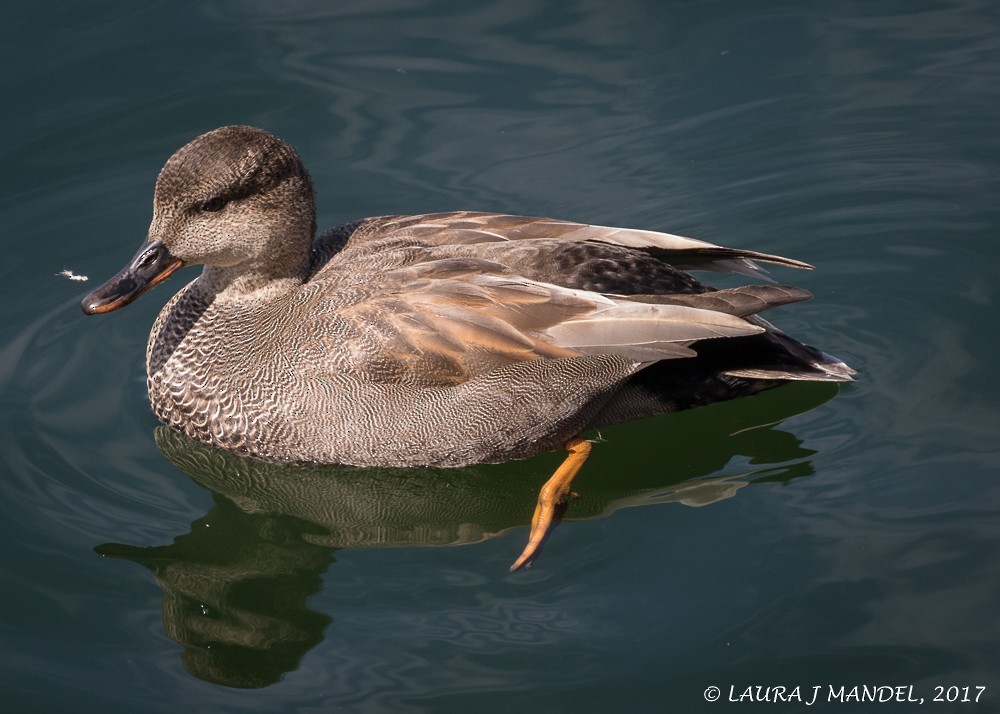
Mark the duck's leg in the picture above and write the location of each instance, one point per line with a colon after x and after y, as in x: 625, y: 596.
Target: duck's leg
x: 551, y: 497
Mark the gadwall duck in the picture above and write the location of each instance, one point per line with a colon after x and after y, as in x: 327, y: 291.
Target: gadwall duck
x: 444, y: 339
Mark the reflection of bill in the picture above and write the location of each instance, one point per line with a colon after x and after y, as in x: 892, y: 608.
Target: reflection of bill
x: 236, y: 587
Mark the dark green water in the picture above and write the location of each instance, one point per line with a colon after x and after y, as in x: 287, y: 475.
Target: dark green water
x: 840, y: 539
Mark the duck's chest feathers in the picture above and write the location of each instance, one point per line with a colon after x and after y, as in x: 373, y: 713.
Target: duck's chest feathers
x: 210, y: 373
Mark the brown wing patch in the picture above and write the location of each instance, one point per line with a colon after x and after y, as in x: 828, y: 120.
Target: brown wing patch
x: 467, y: 228
x: 443, y: 322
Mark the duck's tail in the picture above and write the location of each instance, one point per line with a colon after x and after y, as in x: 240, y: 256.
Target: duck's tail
x: 794, y: 362
x: 832, y: 370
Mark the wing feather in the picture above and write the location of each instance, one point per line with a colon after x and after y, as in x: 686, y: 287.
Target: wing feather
x: 469, y: 228
x: 465, y: 321
x: 741, y: 302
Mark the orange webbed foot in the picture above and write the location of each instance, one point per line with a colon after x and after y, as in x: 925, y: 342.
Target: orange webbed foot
x: 552, y: 500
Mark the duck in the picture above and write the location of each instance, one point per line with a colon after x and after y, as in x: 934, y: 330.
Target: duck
x: 435, y: 340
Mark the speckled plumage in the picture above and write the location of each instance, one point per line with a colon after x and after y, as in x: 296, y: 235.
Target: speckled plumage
x: 444, y: 339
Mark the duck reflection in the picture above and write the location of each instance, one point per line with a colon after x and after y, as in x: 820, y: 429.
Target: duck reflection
x: 236, y: 587
x: 235, y: 593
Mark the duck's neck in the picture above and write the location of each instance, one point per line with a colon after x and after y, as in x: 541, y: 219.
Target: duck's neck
x: 225, y: 284
x: 278, y: 276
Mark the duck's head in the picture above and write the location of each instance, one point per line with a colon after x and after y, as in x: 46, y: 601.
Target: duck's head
x: 237, y: 200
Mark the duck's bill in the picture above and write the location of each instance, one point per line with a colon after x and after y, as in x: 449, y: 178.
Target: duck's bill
x: 151, y: 266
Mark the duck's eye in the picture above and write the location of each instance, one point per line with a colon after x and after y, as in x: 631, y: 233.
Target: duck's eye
x: 213, y: 204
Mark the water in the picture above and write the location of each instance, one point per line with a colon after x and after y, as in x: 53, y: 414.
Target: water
x: 801, y: 538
